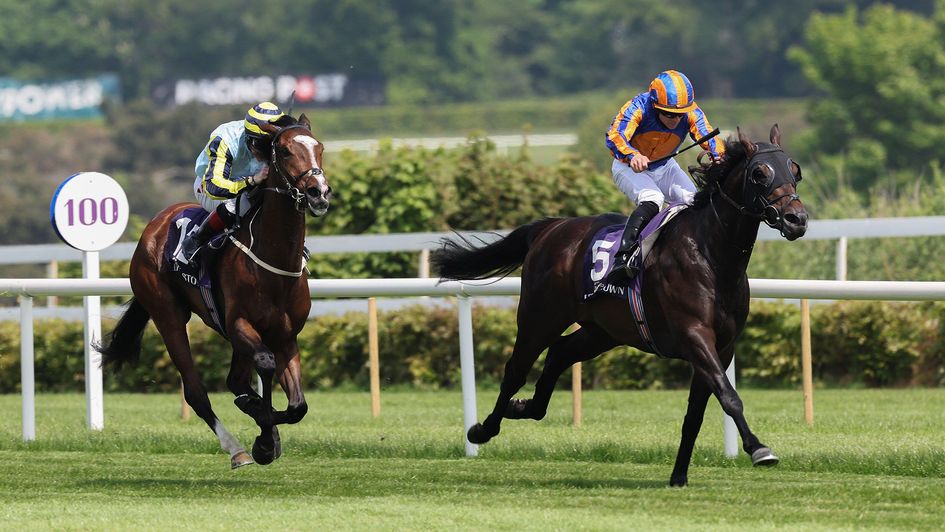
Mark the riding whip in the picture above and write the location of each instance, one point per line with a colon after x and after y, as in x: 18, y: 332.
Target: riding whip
x: 711, y: 134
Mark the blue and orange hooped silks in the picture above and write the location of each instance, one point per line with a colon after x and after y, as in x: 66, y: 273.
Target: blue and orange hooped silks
x: 636, y: 129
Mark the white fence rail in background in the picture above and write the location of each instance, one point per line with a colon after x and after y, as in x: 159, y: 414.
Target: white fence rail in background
x: 321, y: 288
x: 502, y: 142
x: 839, y: 230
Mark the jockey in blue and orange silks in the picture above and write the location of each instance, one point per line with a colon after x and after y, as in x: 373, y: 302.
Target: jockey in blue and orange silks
x: 650, y: 126
x: 232, y: 162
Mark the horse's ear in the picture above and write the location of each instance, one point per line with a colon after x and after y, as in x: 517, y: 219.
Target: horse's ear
x: 270, y: 128
x: 303, y: 120
x: 775, y: 135
x: 750, y: 147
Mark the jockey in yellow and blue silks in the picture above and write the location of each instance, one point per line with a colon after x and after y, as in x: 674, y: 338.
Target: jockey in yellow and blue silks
x: 651, y: 126
x: 233, y: 161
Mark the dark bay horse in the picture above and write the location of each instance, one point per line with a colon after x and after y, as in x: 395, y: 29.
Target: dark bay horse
x: 695, y: 292
x: 260, y: 284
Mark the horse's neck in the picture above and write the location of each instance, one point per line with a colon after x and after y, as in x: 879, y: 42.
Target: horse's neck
x: 279, y: 233
x: 728, y: 244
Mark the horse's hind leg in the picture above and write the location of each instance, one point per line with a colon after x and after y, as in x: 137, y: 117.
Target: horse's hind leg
x: 536, y: 330
x: 173, y: 330
x: 579, y: 346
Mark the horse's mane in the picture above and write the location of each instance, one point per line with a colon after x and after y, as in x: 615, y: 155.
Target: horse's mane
x: 710, y: 177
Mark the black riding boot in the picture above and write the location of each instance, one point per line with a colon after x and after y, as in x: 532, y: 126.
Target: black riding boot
x: 194, y: 240
x: 641, y: 216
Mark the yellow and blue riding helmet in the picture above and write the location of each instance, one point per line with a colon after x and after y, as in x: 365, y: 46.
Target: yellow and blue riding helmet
x: 260, y: 115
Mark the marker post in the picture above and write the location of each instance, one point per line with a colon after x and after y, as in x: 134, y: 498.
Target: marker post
x: 89, y: 211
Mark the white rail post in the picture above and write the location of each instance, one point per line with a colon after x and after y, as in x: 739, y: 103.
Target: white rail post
x: 731, y: 431
x: 423, y: 264
x: 95, y: 410
x: 52, y: 272
x: 468, y: 370
x: 27, y: 380
x: 842, y: 259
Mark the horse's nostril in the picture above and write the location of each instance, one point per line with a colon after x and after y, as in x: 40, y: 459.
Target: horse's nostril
x: 794, y: 219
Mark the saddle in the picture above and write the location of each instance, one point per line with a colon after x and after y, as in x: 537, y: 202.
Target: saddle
x: 197, y: 272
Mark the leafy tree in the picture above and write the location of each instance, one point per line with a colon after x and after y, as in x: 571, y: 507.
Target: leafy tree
x: 882, y: 72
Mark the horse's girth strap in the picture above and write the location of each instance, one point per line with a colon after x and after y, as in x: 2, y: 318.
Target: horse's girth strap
x: 260, y: 262
x: 635, y: 299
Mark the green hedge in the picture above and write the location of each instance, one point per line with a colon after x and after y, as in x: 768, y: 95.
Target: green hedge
x: 854, y: 343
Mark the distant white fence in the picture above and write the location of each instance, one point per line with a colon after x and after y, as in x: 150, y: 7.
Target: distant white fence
x: 840, y: 230
x: 320, y: 288
x: 502, y: 142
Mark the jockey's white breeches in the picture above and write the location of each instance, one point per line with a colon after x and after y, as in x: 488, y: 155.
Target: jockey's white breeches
x: 667, y: 183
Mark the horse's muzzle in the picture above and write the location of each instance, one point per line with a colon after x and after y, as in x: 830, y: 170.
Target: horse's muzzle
x: 319, y: 199
x: 794, y: 224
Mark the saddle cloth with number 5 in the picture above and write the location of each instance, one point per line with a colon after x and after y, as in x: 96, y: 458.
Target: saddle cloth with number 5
x: 599, y: 257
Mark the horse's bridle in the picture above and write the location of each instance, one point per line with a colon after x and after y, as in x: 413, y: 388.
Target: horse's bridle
x: 297, y: 195
x: 755, y: 203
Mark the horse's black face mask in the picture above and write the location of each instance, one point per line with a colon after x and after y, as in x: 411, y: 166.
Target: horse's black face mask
x: 768, y: 170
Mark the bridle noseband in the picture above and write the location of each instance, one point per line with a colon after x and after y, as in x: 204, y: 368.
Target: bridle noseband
x: 293, y: 192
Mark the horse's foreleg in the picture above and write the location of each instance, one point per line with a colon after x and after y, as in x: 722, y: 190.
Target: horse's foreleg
x: 708, y: 367
x: 698, y: 397
x: 291, y: 381
x: 248, y: 343
x: 238, y: 380
x: 584, y: 344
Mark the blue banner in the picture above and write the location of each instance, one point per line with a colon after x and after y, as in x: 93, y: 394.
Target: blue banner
x: 77, y: 98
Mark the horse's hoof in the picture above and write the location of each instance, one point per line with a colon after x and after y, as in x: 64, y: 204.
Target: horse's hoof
x: 678, y: 482
x: 764, y: 457
x: 239, y: 460
x: 262, y: 453
x: 477, y: 434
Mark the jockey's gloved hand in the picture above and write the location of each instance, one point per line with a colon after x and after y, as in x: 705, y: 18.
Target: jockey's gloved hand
x: 259, y: 177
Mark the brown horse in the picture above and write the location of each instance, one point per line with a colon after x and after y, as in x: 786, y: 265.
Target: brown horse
x: 260, y: 285
x: 695, y: 294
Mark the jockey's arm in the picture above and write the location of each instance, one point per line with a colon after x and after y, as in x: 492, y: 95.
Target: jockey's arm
x: 218, y: 183
x: 699, y: 127
x: 621, y: 131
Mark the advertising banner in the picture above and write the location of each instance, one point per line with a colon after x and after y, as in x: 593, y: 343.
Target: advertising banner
x: 323, y: 90
x: 77, y: 98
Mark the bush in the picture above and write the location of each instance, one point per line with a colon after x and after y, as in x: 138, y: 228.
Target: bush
x: 854, y: 343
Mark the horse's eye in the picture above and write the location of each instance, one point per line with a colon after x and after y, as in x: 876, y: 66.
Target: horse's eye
x: 762, y: 174
x: 795, y: 170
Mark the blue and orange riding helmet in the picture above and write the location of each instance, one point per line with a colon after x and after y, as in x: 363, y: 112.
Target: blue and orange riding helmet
x: 672, y: 92
x: 258, y: 116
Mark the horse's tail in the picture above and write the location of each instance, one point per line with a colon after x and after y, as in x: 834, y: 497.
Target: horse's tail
x: 123, y: 344
x: 465, y: 260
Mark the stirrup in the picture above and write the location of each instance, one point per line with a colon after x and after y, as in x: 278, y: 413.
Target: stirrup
x: 183, y: 258
x: 623, y: 265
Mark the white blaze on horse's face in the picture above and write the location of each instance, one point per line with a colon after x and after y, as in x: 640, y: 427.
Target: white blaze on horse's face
x: 310, y: 143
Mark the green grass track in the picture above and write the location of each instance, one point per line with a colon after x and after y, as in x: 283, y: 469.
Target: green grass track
x: 874, y: 459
